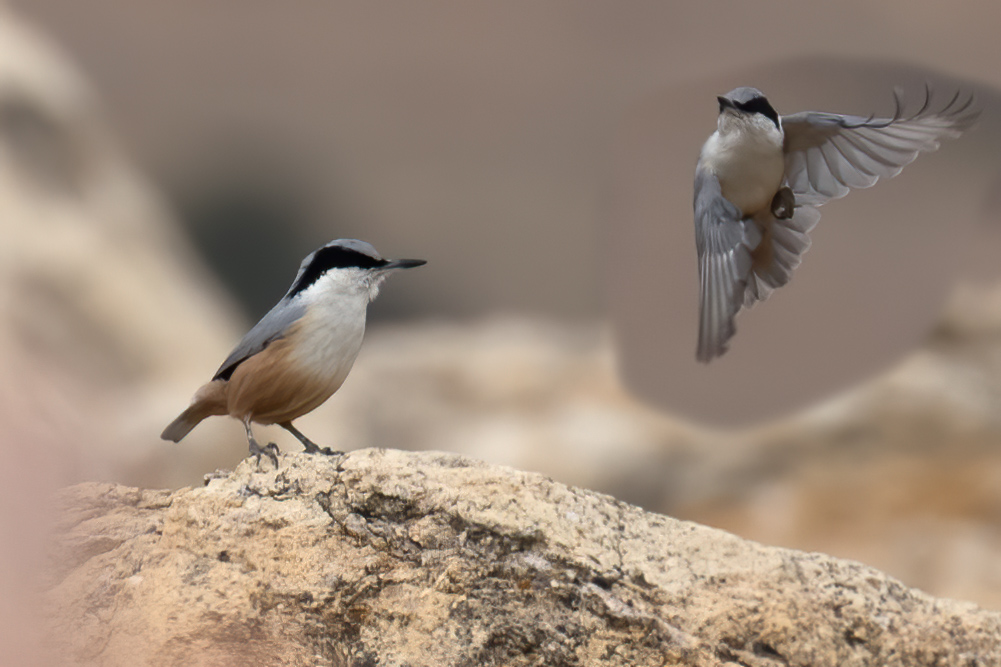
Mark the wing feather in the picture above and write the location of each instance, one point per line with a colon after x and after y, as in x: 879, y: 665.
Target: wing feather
x: 834, y: 155
x: 862, y: 176
x: 271, y: 327
x: 724, y: 242
x: 829, y: 154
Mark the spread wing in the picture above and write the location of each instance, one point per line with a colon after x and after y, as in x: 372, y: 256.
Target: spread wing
x: 827, y: 154
x: 271, y: 327
x: 724, y: 242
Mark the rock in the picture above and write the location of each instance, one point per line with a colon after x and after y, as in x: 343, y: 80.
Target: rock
x: 107, y: 321
x: 901, y: 472
x: 390, y: 558
x: 107, y: 324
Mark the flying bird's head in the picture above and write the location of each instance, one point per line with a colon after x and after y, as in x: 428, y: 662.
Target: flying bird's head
x: 746, y: 107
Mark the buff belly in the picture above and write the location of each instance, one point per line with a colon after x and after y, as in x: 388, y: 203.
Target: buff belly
x: 278, y: 385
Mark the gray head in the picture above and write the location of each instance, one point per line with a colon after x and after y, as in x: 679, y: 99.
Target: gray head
x: 747, y: 101
x: 356, y: 260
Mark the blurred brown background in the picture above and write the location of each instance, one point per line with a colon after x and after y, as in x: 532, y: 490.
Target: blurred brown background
x: 164, y: 167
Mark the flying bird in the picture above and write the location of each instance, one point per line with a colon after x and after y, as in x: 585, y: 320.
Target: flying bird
x: 761, y: 176
x: 301, y: 351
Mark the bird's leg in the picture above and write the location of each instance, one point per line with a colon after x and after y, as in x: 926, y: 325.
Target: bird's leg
x: 784, y: 203
x: 311, y: 447
x: 271, y: 450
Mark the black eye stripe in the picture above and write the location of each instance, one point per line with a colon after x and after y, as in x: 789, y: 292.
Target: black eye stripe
x: 333, y: 257
x: 759, y: 105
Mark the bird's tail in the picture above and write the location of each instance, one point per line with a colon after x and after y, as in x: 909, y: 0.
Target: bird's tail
x: 783, y: 243
x: 208, y: 401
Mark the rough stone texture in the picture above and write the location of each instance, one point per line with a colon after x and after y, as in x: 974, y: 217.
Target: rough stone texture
x: 389, y: 558
x: 94, y: 279
x: 902, y: 473
x: 106, y: 326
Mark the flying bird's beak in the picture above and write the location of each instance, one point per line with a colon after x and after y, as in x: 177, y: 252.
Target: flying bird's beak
x: 724, y: 104
x: 403, y: 264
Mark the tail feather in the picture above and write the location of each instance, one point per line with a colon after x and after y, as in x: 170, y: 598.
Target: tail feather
x: 208, y: 401
x: 779, y: 253
x: 181, y: 426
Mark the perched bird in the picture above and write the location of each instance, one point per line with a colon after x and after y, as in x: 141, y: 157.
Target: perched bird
x: 760, y: 177
x: 301, y: 351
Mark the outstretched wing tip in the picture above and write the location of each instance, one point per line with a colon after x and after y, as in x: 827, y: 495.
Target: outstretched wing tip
x: 706, y: 352
x: 828, y: 155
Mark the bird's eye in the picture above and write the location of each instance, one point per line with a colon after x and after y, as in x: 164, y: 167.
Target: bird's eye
x: 760, y: 105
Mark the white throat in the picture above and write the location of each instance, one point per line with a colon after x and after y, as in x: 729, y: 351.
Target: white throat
x: 745, y: 153
x: 331, y: 331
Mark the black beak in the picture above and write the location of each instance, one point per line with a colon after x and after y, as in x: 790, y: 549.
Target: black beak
x: 724, y: 103
x: 403, y: 264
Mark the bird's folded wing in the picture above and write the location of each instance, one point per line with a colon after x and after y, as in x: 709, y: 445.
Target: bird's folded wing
x: 271, y: 327
x: 724, y: 242
x: 827, y: 154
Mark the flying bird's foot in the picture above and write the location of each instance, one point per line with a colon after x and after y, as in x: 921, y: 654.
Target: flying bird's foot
x: 313, y: 448
x: 784, y: 203
x: 270, y: 450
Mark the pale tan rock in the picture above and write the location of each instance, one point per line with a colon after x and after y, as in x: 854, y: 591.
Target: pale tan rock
x: 390, y: 558
x: 901, y: 473
x: 103, y: 312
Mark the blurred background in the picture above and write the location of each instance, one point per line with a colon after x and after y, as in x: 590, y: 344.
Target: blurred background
x: 164, y: 168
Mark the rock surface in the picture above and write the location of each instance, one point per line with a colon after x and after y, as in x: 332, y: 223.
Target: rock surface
x: 901, y: 473
x: 104, y: 315
x: 389, y: 558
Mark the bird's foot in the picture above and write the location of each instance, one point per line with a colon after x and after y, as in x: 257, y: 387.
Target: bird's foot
x: 313, y: 448
x: 784, y: 203
x: 270, y: 450
x: 309, y: 446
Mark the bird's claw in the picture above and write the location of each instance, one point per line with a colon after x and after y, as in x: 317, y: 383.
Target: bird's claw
x: 784, y: 203
x: 311, y: 448
x: 270, y: 450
